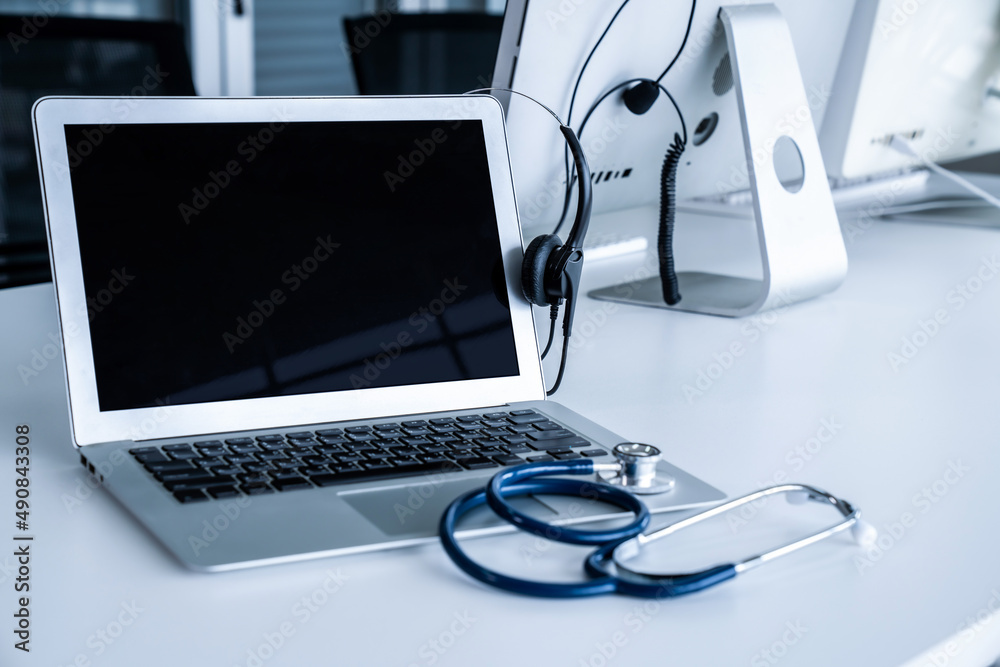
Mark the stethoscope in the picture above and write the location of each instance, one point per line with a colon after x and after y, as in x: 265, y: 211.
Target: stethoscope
x: 608, y: 567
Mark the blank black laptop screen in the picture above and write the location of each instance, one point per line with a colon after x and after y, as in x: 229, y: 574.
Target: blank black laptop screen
x: 228, y: 261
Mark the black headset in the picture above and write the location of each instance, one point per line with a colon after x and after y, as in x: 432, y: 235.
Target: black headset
x: 551, y: 269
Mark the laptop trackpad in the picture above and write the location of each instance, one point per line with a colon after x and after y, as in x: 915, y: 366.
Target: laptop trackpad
x: 416, y: 509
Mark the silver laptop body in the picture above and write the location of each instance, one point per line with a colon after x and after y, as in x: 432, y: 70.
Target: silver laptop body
x: 302, y: 276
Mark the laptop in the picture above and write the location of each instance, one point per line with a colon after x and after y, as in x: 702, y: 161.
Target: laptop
x: 293, y: 327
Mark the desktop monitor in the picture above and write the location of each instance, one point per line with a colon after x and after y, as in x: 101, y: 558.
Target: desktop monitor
x: 927, y: 71
x: 543, y: 49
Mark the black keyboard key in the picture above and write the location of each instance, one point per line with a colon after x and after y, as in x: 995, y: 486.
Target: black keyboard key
x: 508, y: 459
x: 272, y: 456
x: 240, y: 460
x: 416, y: 441
x: 198, y: 482
x: 417, y: 431
x: 495, y: 432
x: 239, y: 441
x: 521, y: 428
x: 345, y: 467
x: 495, y: 415
x: 314, y: 470
x: 185, y: 454
x: 549, y: 426
x: 252, y: 477
x: 213, y: 452
x: 273, y: 437
x: 214, y: 462
x: 522, y: 413
x: 517, y: 449
x: 190, y: 495
x: 546, y: 445
x: 594, y: 453
x: 377, y: 465
x: 540, y: 458
x: 435, y: 449
x: 176, y: 448
x: 463, y: 454
x: 333, y: 439
x: 300, y: 435
x: 164, y: 466
x: 468, y: 418
x: 256, y: 489
x: 554, y: 434
x: 433, y: 458
x: 257, y: 467
x: 302, y: 442
x: 350, y: 458
x: 223, y: 492
x: 415, y: 423
x: 329, y: 432
x: 318, y: 460
x: 358, y: 429
x: 174, y: 475
x: 229, y: 470
x: 291, y: 483
x: 531, y: 418
x: 566, y: 456
x: 478, y: 463
x: 403, y: 461
x: 405, y: 451
x: 387, y: 427
x: 490, y: 442
x: 558, y: 450
x: 441, y: 421
x: 155, y: 456
x: 208, y: 443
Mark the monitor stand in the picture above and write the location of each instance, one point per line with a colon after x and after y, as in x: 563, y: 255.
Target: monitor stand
x: 801, y: 246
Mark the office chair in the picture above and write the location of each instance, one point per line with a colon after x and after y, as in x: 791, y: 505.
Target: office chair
x: 67, y: 56
x: 420, y: 54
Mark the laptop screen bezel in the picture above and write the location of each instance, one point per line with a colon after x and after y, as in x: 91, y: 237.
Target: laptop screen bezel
x: 91, y: 425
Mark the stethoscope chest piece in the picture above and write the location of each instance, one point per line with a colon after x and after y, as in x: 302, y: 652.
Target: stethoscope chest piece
x: 636, y: 470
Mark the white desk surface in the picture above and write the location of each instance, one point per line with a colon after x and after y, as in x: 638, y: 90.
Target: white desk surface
x: 104, y: 593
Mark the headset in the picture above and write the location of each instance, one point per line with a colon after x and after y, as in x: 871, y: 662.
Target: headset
x: 551, y: 269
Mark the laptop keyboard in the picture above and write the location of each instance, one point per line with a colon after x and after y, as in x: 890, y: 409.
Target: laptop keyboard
x: 306, y: 459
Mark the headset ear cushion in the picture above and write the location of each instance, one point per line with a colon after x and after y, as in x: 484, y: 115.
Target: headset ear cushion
x: 536, y: 257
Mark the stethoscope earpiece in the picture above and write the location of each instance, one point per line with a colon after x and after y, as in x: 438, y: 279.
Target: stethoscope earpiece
x: 864, y: 533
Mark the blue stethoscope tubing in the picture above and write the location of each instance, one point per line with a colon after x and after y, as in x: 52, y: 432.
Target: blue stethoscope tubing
x: 518, y: 481
x: 605, y: 566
